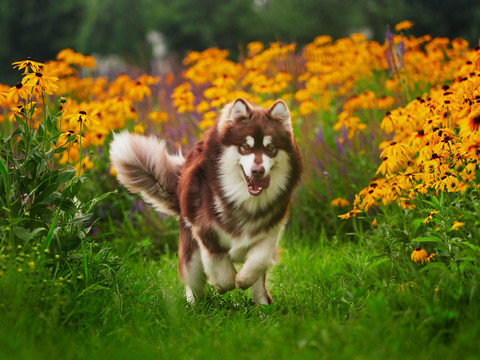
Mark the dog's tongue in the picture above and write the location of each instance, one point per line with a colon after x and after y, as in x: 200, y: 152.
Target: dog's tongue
x: 255, y: 186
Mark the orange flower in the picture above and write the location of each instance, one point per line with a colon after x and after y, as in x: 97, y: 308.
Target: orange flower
x: 41, y: 83
x: 403, y: 25
x: 456, y: 225
x: 18, y: 91
x: 340, y: 202
x: 430, y: 216
x: 28, y: 64
x: 419, y: 254
x: 138, y: 91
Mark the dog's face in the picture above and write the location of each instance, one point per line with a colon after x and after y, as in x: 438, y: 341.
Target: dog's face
x: 257, y: 144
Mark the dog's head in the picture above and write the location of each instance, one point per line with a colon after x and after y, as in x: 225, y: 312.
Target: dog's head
x: 257, y: 147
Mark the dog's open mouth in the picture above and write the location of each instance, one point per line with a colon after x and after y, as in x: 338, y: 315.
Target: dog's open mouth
x: 256, y: 186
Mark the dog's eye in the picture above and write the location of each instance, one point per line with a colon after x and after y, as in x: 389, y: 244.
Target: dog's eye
x: 270, y: 148
x: 246, y: 147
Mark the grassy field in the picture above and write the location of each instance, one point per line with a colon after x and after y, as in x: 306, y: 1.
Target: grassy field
x: 381, y: 257
x: 332, y: 300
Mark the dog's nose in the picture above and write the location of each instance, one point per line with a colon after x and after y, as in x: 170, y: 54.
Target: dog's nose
x: 258, y: 171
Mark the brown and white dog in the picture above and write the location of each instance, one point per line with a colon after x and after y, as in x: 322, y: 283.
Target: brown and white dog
x: 231, y: 194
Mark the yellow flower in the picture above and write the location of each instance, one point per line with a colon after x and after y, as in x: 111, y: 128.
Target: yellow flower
x: 208, y: 120
x: 71, y: 57
x: 340, y: 202
x: 254, y: 48
x: 348, y: 215
x: 80, y: 118
x: 28, y: 64
x: 456, y: 225
x: 139, y: 91
x: 183, y: 98
x: 139, y: 129
x: 430, y: 216
x: 18, y: 91
x: 375, y: 223
x: 86, y: 164
x: 41, y: 83
x: 419, y: 254
x: 158, y: 116
x: 403, y: 25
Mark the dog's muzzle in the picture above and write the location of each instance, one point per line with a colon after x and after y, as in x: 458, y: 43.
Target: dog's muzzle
x: 257, y: 183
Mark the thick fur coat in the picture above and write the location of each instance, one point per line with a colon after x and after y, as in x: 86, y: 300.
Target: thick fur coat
x: 231, y: 194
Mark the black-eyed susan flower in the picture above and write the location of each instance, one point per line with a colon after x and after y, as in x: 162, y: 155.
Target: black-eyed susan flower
x: 41, y: 83
x: 183, y: 98
x: 403, y: 25
x: 19, y: 111
x: 254, y: 48
x: 430, y: 216
x: 351, y: 213
x: 456, y: 225
x: 28, y: 65
x: 419, y: 254
x: 80, y: 119
x: 20, y: 90
x: 139, y: 129
x: 470, y: 124
x: 139, y: 91
x: 339, y: 202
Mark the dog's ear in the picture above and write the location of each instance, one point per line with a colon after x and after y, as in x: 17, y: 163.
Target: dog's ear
x: 279, y: 110
x: 238, y: 109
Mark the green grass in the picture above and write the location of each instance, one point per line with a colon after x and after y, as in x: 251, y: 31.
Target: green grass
x: 332, y: 300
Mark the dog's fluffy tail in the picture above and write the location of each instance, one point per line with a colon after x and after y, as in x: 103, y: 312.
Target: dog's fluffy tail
x: 144, y: 166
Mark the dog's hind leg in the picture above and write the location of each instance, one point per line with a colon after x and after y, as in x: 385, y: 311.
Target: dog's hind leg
x: 195, y: 279
x: 260, y: 293
x: 190, y: 265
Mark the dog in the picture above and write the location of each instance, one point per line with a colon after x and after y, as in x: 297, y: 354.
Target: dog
x: 231, y: 194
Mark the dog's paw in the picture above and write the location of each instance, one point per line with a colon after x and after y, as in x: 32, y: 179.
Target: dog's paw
x: 243, y: 282
x: 223, y: 289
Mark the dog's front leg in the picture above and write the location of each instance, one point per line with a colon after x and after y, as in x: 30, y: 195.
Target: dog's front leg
x: 217, y: 264
x: 260, y: 293
x: 258, y: 259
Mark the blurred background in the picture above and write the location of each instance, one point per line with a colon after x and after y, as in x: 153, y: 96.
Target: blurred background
x: 140, y: 33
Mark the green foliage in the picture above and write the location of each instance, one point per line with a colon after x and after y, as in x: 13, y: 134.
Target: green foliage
x: 41, y: 218
x: 339, y: 299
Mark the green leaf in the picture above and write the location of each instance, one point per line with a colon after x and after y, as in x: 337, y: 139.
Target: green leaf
x: 5, y: 177
x: 427, y: 239
x: 51, y: 230
x: 26, y: 235
x: 68, y: 242
x: 68, y: 206
x: 72, y: 189
x: 66, y: 175
x: 417, y: 223
x: 44, y: 196
x: 471, y: 246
